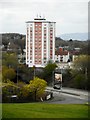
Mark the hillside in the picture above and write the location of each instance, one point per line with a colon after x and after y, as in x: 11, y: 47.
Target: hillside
x: 17, y: 41
x: 70, y: 43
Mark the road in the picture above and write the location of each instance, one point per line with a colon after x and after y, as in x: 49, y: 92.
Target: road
x: 69, y: 96
x: 63, y: 98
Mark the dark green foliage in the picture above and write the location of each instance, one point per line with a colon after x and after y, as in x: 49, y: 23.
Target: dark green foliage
x: 17, y: 41
x: 80, y: 81
x: 66, y: 77
x: 8, y: 74
x: 79, y: 74
x: 8, y: 90
x: 48, y: 72
x: 25, y: 73
x: 22, y: 92
x: 10, y: 60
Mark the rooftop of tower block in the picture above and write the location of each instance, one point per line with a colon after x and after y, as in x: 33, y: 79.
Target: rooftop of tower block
x: 39, y: 19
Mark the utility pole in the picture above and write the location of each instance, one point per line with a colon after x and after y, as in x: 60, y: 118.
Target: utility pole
x: 17, y: 75
x: 17, y: 68
x: 86, y: 75
x: 86, y: 72
x: 34, y: 71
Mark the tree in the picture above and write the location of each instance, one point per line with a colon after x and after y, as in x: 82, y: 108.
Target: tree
x: 24, y: 93
x: 37, y: 87
x: 8, y: 73
x: 9, y: 89
x: 66, y: 77
x: 5, y: 41
x: 81, y: 63
x: 21, y: 43
x: 84, y: 49
x: 48, y: 71
x: 25, y: 73
x: 80, y: 81
x: 80, y: 71
x: 10, y: 60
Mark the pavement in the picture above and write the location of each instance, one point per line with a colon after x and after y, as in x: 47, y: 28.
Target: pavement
x: 72, y: 91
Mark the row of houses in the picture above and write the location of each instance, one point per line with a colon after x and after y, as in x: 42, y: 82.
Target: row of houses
x: 65, y: 56
x: 61, y: 55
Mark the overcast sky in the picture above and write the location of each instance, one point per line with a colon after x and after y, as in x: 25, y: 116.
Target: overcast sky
x: 71, y: 16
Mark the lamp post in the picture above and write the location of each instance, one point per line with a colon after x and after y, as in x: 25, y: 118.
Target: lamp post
x: 86, y: 72
x: 17, y: 75
x: 33, y: 79
x: 86, y: 77
x: 17, y: 68
x: 34, y: 71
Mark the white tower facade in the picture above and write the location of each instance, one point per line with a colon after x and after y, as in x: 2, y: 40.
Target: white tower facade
x: 40, y: 42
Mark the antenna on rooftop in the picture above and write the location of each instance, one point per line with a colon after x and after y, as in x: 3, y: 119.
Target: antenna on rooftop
x: 40, y: 17
x: 43, y: 16
x: 37, y: 15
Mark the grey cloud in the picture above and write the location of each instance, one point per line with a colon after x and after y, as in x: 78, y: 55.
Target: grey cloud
x: 69, y: 16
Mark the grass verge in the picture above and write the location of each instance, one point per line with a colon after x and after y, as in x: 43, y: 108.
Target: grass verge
x: 43, y: 110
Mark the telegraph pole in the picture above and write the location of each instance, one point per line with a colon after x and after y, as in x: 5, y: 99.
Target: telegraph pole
x: 34, y: 71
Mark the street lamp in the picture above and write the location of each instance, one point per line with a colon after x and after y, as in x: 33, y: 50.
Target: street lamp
x: 17, y: 75
x: 34, y: 71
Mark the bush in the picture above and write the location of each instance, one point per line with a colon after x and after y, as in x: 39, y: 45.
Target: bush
x: 37, y: 87
x: 7, y: 91
x: 8, y: 73
x: 80, y: 81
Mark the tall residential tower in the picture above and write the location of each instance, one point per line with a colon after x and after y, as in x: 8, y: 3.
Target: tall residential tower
x: 40, y: 42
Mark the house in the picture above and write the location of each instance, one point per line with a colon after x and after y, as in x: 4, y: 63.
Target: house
x: 62, y: 55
